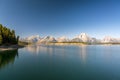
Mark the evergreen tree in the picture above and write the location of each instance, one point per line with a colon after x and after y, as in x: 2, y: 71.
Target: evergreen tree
x: 17, y: 39
x: 0, y: 39
x: 7, y: 36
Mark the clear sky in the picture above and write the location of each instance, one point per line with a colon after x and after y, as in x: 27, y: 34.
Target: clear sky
x: 97, y: 18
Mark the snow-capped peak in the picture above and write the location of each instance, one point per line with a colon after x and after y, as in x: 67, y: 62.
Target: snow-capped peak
x: 109, y: 39
x: 84, y: 37
x: 33, y: 37
x: 47, y: 39
x: 63, y: 39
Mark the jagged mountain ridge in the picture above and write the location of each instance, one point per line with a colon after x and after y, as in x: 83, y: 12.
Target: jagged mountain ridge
x: 83, y: 37
x: 47, y: 39
x: 31, y: 39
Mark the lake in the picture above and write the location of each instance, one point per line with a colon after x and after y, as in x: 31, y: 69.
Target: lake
x: 51, y: 62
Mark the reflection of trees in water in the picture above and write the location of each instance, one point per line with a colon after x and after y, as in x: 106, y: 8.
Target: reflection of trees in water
x: 7, y: 57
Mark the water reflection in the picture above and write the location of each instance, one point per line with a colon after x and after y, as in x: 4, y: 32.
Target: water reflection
x: 50, y: 50
x: 33, y: 49
x: 40, y: 49
x: 83, y: 53
x: 58, y: 50
x: 62, y: 62
x: 108, y: 53
x: 7, y: 57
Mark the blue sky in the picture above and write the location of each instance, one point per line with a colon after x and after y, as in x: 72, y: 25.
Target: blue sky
x: 98, y: 18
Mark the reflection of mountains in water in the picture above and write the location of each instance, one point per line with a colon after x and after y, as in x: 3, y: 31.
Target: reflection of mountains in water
x: 7, y: 57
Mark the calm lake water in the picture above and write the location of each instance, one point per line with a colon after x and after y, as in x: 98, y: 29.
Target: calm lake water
x: 93, y: 62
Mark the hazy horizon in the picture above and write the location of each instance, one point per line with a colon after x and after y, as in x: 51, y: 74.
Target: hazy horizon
x: 58, y: 18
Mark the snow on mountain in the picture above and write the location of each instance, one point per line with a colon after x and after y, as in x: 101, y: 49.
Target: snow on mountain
x: 108, y: 39
x: 63, y: 39
x: 83, y: 37
x: 31, y: 39
x: 76, y: 40
x: 94, y: 40
x: 47, y: 39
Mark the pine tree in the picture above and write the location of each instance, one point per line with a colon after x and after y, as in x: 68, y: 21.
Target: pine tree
x: 17, y: 39
x: 7, y: 36
x: 0, y: 39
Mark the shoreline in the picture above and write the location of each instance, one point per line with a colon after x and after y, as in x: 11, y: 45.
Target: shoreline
x: 10, y: 47
x: 78, y: 43
x: 14, y: 47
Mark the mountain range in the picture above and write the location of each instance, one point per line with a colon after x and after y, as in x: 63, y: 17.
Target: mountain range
x: 83, y: 37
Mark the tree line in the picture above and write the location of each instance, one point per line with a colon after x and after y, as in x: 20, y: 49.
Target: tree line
x: 8, y: 36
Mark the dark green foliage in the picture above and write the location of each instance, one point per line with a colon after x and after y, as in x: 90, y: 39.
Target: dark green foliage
x: 0, y: 39
x: 7, y: 36
x: 7, y: 57
x: 17, y: 39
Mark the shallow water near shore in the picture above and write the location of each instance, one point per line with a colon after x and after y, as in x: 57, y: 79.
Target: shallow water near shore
x: 64, y: 62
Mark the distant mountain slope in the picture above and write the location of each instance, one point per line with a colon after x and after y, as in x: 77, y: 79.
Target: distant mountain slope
x: 31, y: 39
x: 47, y: 39
x: 83, y: 37
x: 63, y: 39
x: 108, y: 39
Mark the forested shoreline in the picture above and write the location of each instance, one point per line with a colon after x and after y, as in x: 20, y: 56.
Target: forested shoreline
x: 7, y: 36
